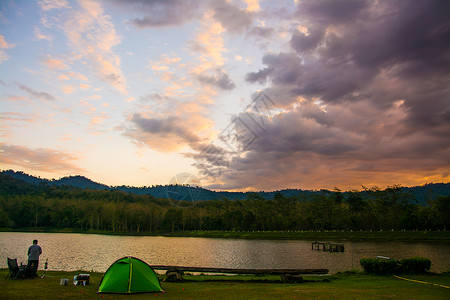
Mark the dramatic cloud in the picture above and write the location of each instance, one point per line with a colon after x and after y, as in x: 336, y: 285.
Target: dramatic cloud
x: 249, y: 94
x: 365, y: 94
x: 40, y: 159
x: 308, y: 144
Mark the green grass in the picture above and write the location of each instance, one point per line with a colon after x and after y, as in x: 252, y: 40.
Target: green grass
x: 348, y: 285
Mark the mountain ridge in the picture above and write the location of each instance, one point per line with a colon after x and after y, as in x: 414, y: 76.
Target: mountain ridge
x: 189, y: 193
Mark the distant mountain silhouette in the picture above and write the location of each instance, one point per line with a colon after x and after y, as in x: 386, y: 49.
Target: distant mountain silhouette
x: 189, y: 193
x: 75, y: 181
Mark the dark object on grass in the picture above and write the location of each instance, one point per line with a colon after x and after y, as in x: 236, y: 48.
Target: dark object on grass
x: 45, y: 268
x: 290, y: 278
x: 81, y: 279
x: 15, y: 272
x: 172, y: 276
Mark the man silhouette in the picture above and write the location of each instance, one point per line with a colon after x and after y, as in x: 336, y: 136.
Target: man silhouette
x: 33, y: 259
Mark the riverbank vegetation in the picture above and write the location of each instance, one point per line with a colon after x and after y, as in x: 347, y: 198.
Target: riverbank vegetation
x: 359, y: 214
x: 348, y: 285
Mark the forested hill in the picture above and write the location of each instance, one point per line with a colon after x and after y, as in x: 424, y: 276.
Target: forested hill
x: 75, y: 181
x: 186, y: 193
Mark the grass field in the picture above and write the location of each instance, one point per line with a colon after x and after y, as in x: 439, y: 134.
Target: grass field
x: 347, y: 285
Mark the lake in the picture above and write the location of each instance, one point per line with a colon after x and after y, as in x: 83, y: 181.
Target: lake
x: 71, y: 252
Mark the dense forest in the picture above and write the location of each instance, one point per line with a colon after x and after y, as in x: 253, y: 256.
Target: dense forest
x: 25, y: 205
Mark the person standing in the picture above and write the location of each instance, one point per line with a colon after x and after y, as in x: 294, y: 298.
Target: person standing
x: 33, y: 259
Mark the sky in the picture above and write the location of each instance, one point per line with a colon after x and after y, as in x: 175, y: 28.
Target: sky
x: 235, y: 95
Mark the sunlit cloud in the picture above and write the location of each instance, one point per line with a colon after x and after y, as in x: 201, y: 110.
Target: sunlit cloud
x: 98, y: 119
x: 63, y: 77
x: 40, y: 36
x: 209, y: 43
x: 252, y: 5
x: 165, y: 62
x: 39, y: 159
x: 14, y: 98
x: 4, y: 45
x: 95, y: 97
x: 68, y: 89
x: 93, y: 35
x: 55, y: 63
x: 77, y: 76
x: 66, y: 137
x: 10, y: 117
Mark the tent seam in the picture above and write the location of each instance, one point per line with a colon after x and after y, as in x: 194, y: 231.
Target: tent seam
x: 129, y: 277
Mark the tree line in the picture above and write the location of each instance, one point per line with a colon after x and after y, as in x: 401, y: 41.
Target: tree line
x: 24, y: 205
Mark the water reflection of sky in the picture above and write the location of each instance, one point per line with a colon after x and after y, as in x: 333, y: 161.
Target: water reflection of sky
x: 97, y: 252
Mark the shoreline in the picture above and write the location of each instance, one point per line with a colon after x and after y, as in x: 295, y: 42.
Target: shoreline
x: 339, y: 236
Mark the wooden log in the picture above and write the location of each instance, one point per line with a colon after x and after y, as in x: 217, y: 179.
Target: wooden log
x: 239, y: 271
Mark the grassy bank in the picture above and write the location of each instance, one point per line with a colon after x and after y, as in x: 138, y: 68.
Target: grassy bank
x: 403, y: 236
x: 338, y: 286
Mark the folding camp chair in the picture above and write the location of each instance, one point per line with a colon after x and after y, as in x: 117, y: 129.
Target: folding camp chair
x: 14, y: 270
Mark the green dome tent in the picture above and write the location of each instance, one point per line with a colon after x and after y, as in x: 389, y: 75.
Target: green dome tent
x: 129, y: 275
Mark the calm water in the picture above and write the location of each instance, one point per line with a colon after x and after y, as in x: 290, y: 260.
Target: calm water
x: 70, y: 252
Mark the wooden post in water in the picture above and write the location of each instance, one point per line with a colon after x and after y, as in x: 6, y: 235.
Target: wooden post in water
x: 326, y: 246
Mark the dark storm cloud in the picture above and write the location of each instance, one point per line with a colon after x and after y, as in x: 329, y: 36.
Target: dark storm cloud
x: 220, y: 79
x: 160, y: 13
x: 366, y: 84
x: 390, y: 50
x: 307, y: 145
